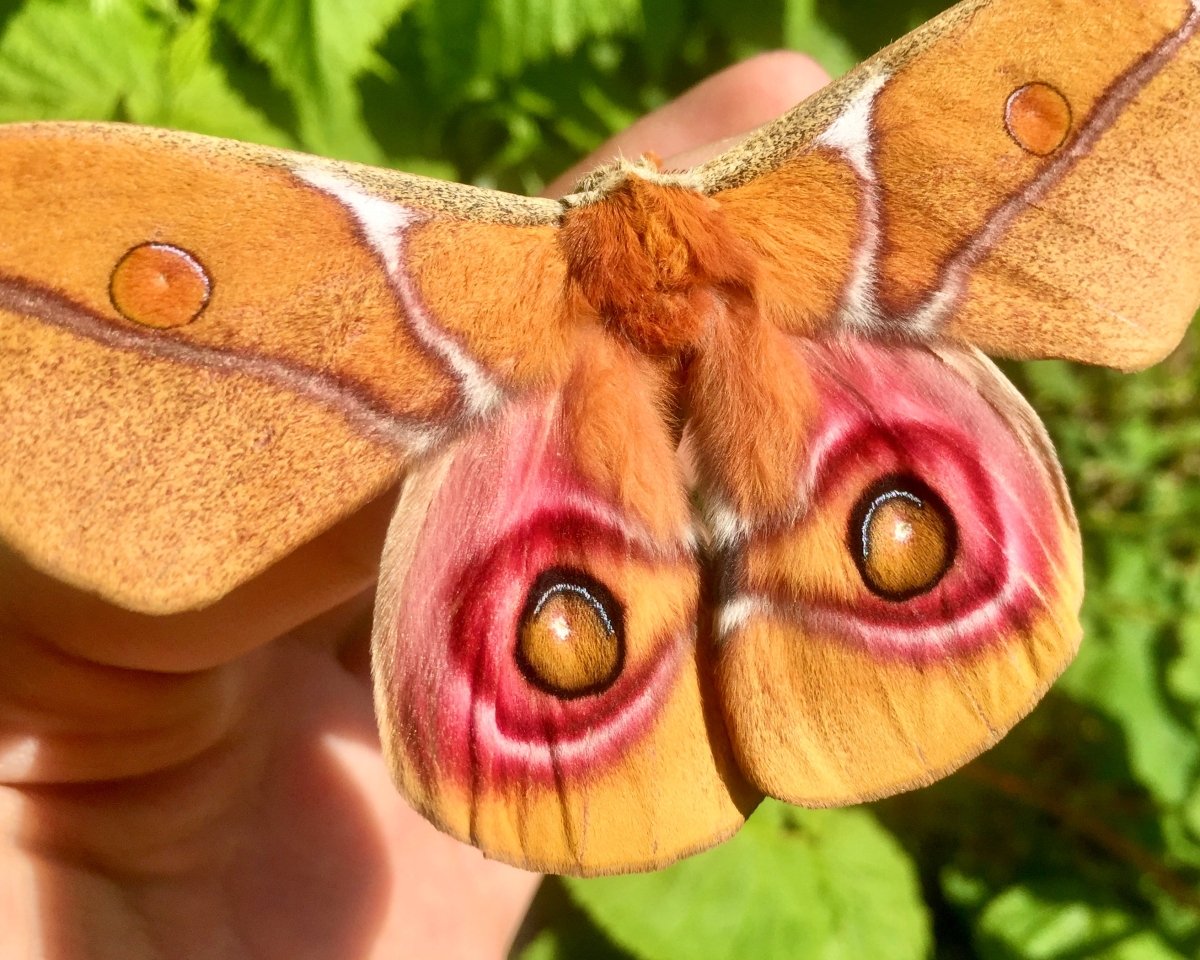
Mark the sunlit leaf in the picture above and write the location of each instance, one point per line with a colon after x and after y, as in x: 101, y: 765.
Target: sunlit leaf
x: 316, y: 49
x: 793, y: 884
x: 804, y: 30
x: 199, y: 96
x: 75, y: 61
x: 1065, y: 924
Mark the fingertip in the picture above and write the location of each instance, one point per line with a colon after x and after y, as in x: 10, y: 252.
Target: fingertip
x: 728, y: 104
x: 758, y: 89
x: 744, y: 97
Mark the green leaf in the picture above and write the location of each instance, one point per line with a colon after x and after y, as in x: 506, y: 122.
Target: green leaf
x: 527, y: 31
x: 546, y: 946
x: 665, y: 21
x: 804, y: 30
x: 308, y: 43
x: 450, y: 35
x: 199, y: 97
x: 1064, y: 924
x: 1184, y: 676
x: 793, y: 884
x: 1120, y: 666
x: 68, y: 59
x: 478, y: 40
x: 570, y: 943
x: 868, y: 25
x: 316, y: 49
x: 747, y: 27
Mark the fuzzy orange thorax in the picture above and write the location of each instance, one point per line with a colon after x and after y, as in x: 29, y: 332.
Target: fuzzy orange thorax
x: 650, y: 254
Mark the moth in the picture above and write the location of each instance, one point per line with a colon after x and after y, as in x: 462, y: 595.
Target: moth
x: 709, y: 491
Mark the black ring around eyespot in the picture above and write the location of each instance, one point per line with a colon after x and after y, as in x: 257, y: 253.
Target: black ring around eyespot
x: 556, y: 580
x: 889, y: 487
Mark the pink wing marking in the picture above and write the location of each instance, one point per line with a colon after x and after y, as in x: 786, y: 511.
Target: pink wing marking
x: 898, y: 410
x: 511, y: 506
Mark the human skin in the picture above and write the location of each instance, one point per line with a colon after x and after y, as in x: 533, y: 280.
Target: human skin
x: 210, y: 785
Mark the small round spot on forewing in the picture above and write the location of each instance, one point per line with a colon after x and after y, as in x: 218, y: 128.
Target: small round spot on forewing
x: 1038, y: 117
x: 902, y: 537
x: 570, y: 638
x: 159, y: 285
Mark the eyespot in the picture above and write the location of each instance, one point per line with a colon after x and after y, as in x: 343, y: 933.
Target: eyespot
x: 902, y: 536
x: 1038, y: 117
x: 159, y: 285
x: 570, y: 637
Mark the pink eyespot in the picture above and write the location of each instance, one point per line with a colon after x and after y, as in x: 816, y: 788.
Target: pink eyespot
x: 571, y: 634
x: 902, y: 537
x: 928, y: 523
x: 967, y: 541
x: 489, y: 646
x: 518, y: 659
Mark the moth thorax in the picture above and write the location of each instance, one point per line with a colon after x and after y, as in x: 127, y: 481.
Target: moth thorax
x: 651, y: 255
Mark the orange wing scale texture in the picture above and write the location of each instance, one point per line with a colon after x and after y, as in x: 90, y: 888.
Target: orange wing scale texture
x: 1071, y: 232
x: 308, y: 348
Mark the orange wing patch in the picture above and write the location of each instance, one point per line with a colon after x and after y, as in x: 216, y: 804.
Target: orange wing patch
x: 805, y: 221
x: 1038, y: 213
x: 1018, y: 174
x: 262, y: 305
x: 177, y: 507
x: 298, y: 269
x: 500, y: 290
x: 1107, y: 264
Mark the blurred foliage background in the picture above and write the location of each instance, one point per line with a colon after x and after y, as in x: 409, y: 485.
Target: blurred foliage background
x: 1079, y: 836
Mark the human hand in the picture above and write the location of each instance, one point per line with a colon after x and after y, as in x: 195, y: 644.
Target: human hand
x: 210, y: 784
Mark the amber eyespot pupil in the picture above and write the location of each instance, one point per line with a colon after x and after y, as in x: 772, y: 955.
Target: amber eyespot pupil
x: 903, y: 538
x: 570, y: 638
x: 1038, y: 117
x: 158, y: 285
